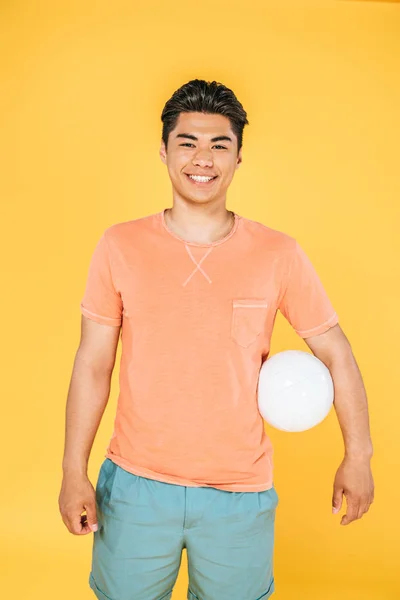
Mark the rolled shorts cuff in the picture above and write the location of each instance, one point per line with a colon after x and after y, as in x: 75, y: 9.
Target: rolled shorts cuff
x: 265, y: 596
x: 102, y: 596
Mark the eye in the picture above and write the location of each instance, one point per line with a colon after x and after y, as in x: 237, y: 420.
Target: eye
x: 216, y: 146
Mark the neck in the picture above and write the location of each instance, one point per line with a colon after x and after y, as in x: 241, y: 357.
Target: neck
x: 198, y: 224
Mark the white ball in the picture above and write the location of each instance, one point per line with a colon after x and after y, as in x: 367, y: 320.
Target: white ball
x: 295, y: 391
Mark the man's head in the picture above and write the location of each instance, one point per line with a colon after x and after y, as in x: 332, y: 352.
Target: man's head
x: 202, y: 134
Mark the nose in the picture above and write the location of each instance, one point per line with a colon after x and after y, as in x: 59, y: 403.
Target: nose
x: 203, y: 158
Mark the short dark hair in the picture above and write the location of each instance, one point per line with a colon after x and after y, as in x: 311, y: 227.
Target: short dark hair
x: 207, y: 97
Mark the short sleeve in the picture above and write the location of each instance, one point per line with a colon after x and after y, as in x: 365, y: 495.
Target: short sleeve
x: 304, y: 301
x: 101, y: 302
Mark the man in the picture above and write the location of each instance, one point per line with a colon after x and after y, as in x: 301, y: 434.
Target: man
x: 194, y: 291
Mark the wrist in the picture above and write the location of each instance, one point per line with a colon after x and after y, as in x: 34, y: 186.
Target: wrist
x: 362, y: 454
x: 74, y: 468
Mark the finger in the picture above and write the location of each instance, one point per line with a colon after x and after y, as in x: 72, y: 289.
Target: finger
x: 352, y: 511
x: 78, y: 525
x: 91, y: 516
x: 66, y: 522
x: 84, y: 526
x: 364, y: 508
x: 337, y: 500
x: 73, y: 524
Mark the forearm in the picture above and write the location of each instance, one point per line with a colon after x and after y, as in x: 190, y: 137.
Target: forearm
x: 87, y: 398
x: 351, y: 405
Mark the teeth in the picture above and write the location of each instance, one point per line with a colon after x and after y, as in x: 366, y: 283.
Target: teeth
x: 200, y: 178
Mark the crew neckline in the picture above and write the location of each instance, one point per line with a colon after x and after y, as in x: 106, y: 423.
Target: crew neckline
x: 216, y: 243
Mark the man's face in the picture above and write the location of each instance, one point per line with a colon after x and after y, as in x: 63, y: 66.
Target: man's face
x: 201, y: 154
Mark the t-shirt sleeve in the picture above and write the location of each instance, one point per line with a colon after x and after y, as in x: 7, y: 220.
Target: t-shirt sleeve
x: 101, y: 301
x: 304, y: 301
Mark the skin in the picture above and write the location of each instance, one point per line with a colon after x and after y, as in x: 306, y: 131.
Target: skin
x: 353, y: 479
x: 200, y: 215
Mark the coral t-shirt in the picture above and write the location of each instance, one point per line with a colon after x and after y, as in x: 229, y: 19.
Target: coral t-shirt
x: 196, y: 325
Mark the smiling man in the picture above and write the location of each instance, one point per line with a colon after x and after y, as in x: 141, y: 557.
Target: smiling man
x: 194, y: 291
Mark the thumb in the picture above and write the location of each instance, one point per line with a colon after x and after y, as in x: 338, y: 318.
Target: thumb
x: 91, y: 516
x: 337, y: 500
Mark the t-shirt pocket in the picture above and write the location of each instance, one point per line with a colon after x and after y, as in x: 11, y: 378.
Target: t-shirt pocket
x: 248, y: 319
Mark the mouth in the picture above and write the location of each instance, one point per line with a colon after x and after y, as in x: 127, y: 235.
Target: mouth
x: 201, y: 181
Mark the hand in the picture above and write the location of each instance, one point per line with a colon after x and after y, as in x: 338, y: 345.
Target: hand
x: 354, y: 480
x: 76, y: 495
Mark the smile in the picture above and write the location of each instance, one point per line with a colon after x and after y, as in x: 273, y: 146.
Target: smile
x: 200, y: 179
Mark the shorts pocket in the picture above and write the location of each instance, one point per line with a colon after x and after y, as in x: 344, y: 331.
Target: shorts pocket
x: 268, y: 500
x: 269, y: 591
x: 166, y: 596
x: 248, y: 319
x: 105, y: 484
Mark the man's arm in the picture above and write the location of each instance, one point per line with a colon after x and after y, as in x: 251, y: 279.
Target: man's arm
x: 334, y: 350
x: 87, y: 398
x: 354, y: 477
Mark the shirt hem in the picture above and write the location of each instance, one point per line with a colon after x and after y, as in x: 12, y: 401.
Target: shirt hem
x: 147, y: 473
x: 100, y: 318
x: 334, y: 320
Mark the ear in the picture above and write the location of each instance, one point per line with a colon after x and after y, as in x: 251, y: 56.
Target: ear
x: 163, y: 153
x: 239, y: 159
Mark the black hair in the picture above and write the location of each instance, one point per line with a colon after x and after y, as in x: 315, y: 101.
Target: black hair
x: 207, y: 97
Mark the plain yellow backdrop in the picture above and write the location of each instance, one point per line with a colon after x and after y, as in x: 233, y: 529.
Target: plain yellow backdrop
x: 83, y: 87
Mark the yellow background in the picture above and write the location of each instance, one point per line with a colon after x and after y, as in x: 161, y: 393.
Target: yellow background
x: 83, y: 87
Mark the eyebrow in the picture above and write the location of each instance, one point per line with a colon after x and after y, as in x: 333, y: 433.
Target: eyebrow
x: 190, y: 136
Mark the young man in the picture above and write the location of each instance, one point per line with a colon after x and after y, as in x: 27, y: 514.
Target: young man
x: 195, y: 289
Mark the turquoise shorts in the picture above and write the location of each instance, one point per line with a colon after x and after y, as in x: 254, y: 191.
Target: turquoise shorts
x: 144, y: 524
